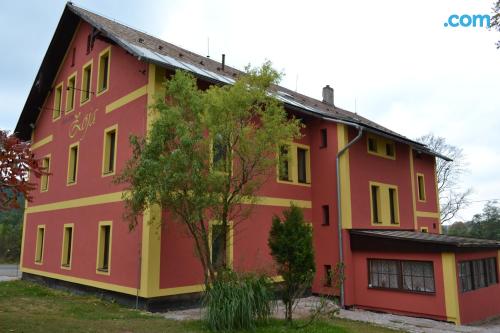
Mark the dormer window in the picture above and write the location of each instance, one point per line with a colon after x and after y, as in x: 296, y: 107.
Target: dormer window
x: 381, y: 147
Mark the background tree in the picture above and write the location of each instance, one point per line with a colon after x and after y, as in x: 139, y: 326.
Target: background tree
x: 485, y: 225
x: 11, y: 224
x: 290, y: 241
x: 451, y: 198
x: 16, y: 162
x: 207, y: 155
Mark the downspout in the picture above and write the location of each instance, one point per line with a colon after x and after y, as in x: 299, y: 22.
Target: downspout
x: 339, y: 207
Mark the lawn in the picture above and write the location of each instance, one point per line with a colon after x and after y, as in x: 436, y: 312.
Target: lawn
x: 27, y: 307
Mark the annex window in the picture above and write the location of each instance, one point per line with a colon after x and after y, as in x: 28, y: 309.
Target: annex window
x: 67, y: 246
x: 384, y: 204
x: 40, y: 240
x: 476, y: 274
x: 70, y: 93
x: 323, y: 138
x: 109, y: 151
x: 326, y: 214
x: 72, y: 164
x: 294, y: 164
x: 328, y: 275
x: 104, y: 248
x: 86, y: 83
x: 421, y: 187
x: 405, y: 275
x: 56, y: 111
x: 44, y: 179
x: 221, y: 247
x: 103, y: 72
x: 381, y: 147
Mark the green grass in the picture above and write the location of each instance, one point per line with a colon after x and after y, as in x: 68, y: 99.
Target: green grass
x: 27, y: 307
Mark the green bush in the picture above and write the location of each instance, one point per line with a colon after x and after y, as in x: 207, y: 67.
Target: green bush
x: 236, y: 302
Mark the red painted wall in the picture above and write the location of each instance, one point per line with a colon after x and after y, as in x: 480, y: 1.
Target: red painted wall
x: 424, y: 164
x: 415, y: 304
x: 481, y: 303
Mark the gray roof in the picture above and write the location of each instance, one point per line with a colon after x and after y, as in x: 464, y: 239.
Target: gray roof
x: 423, y: 237
x: 151, y: 49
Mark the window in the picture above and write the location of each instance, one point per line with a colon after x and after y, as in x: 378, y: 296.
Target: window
x: 40, y: 239
x: 294, y: 164
x: 67, y: 246
x: 381, y: 147
x: 421, y: 187
x: 328, y: 275
x: 70, y: 94
x: 72, y: 164
x: 384, y: 204
x: 221, y: 248
x: 104, y: 248
x: 109, y: 151
x: 86, y: 83
x: 326, y: 214
x: 219, y: 154
x: 44, y: 179
x: 324, y: 138
x: 424, y: 229
x: 476, y: 274
x: 56, y: 112
x: 103, y: 72
x: 416, y: 276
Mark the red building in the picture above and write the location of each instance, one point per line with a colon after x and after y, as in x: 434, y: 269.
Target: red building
x: 93, y: 90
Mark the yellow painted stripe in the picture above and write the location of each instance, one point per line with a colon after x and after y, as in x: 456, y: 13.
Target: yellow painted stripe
x: 42, y: 142
x: 345, y: 181
x: 279, y: 202
x: 74, y: 203
x: 450, y: 287
x: 428, y: 214
x: 127, y: 99
x: 413, y: 197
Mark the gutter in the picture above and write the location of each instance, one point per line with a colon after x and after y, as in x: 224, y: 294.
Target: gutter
x: 339, y: 200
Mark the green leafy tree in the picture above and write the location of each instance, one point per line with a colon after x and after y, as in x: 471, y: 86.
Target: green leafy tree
x: 207, y: 154
x: 11, y: 224
x: 290, y: 241
x: 485, y: 225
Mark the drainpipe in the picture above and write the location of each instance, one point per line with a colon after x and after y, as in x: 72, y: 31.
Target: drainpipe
x: 339, y: 205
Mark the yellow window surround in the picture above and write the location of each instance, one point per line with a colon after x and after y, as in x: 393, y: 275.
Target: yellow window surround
x: 40, y: 242
x: 56, y: 110
x: 104, y: 242
x: 380, y: 146
x: 73, y: 153
x: 86, y: 87
x: 229, y: 241
x: 384, y: 204
x: 424, y: 229
x: 421, y: 187
x: 71, y: 93
x: 103, y: 71
x: 292, y: 161
x: 67, y: 246
x: 44, y: 179
x: 109, y: 151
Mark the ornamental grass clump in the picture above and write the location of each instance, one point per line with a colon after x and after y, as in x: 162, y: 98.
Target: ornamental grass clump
x: 238, y: 301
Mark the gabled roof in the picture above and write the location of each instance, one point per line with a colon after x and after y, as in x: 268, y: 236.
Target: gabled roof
x: 151, y: 49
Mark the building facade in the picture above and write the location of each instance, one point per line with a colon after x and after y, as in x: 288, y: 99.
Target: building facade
x: 369, y: 193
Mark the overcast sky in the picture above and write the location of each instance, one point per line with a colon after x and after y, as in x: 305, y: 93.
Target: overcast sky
x: 391, y: 61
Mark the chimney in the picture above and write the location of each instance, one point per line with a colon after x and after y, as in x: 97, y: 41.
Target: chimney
x: 328, y: 95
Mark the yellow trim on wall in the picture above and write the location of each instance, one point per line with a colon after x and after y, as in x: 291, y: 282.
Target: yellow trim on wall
x: 84, y: 81
x: 75, y: 203
x: 380, y: 144
x: 293, y: 172
x: 40, y: 243
x: 279, y: 202
x: 421, y: 195
x: 71, y: 92
x: 450, y: 287
x: 434, y: 215
x: 65, y: 250
x: 58, y: 98
x: 42, y: 142
x: 384, y: 211
x: 44, y: 179
x: 424, y: 229
x: 132, y: 96
x: 99, y: 263
x: 413, y: 197
x: 106, y: 150
x: 229, y: 241
x: 73, y: 164
x: 100, y: 81
x: 345, y: 180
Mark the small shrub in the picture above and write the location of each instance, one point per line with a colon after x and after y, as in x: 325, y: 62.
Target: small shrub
x: 236, y: 302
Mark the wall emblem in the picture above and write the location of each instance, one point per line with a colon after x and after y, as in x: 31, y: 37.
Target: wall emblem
x: 81, y: 124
